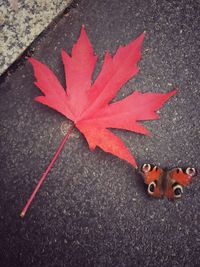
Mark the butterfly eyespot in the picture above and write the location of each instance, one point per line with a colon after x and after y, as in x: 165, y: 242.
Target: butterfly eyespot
x: 190, y: 171
x: 178, y: 191
x: 155, y: 168
x: 146, y: 167
x: 151, y: 188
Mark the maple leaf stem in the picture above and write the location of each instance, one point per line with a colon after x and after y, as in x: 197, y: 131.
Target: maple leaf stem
x: 47, y: 171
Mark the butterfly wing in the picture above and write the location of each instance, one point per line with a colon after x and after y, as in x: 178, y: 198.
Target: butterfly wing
x: 176, y: 179
x: 153, y: 177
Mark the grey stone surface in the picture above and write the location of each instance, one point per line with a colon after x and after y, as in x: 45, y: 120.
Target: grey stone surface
x: 21, y: 22
x: 93, y: 209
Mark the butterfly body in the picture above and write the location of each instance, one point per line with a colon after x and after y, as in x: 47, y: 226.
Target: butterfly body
x: 163, y: 183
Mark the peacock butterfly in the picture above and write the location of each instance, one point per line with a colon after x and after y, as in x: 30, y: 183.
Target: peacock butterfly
x: 166, y: 183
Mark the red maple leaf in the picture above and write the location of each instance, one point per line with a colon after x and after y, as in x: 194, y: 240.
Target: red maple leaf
x: 88, y: 104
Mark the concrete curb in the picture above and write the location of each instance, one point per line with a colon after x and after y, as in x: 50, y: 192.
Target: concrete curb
x: 21, y: 22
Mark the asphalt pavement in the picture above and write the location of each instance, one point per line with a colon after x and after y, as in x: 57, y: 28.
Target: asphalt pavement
x: 93, y: 209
